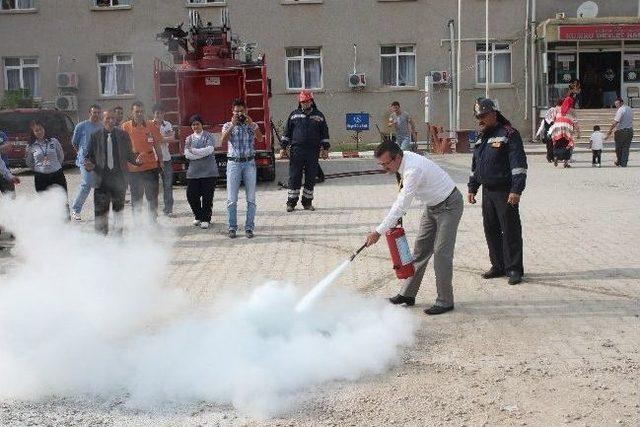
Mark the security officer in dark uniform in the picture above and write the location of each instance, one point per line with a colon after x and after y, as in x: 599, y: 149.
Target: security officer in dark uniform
x: 500, y: 166
x: 306, y: 136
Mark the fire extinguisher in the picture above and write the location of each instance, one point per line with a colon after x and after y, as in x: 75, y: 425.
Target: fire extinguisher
x: 400, y: 252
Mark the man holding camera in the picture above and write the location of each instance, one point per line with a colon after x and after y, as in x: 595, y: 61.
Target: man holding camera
x: 240, y: 135
x: 306, y: 137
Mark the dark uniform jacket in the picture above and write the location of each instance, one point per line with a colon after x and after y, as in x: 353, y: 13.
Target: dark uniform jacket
x: 306, y: 130
x: 499, y: 161
x: 97, y: 153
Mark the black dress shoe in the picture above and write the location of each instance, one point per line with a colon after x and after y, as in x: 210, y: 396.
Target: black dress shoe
x: 493, y: 273
x: 232, y: 234
x: 249, y: 234
x: 400, y: 299
x: 290, y: 208
x: 309, y: 208
x: 515, y: 277
x: 437, y: 309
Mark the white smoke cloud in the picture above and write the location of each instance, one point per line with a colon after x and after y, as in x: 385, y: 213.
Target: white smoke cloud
x: 83, y: 314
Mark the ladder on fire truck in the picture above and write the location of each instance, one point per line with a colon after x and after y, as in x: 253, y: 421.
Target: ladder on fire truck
x: 256, y: 96
x: 166, y: 88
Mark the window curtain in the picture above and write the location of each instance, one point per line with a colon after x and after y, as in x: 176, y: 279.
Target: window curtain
x: 502, y: 68
x: 124, y: 78
x: 110, y: 83
x: 13, y: 79
x: 294, y: 73
x: 388, y: 71
x: 312, y: 73
x: 407, y: 71
x: 25, y: 4
x: 31, y: 81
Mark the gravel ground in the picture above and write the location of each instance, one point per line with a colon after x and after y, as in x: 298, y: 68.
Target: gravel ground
x: 562, y: 348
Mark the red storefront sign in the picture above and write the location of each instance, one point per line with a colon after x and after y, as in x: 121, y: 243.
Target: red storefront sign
x: 599, y: 32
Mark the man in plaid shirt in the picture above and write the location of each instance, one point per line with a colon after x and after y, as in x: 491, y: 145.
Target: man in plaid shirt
x: 240, y: 135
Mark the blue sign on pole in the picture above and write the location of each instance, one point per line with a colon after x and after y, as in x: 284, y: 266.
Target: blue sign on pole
x: 357, y: 121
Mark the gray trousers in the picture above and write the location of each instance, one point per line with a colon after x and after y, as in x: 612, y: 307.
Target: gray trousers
x: 622, y: 140
x: 437, y: 237
x: 167, y: 187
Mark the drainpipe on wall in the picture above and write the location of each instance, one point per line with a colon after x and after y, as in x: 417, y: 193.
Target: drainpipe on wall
x: 532, y: 64
x: 526, y: 60
x: 452, y: 90
x: 458, y: 64
x: 486, y: 48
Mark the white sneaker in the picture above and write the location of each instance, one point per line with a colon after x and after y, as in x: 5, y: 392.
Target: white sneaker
x: 196, y: 223
x: 75, y: 215
x: 599, y: 165
x: 204, y: 225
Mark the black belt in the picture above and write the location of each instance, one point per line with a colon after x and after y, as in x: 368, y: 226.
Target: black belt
x: 241, y: 159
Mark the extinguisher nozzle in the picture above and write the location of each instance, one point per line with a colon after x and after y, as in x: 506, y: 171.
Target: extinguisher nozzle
x: 357, y: 252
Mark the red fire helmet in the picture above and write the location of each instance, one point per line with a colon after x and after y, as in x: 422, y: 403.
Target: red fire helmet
x: 305, y: 95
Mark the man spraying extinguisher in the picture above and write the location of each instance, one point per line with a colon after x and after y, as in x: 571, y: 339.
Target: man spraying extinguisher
x: 424, y: 180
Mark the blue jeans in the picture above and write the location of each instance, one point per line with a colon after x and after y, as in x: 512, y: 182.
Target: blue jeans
x: 245, y: 172
x: 83, y: 190
x: 167, y: 187
x: 404, y: 142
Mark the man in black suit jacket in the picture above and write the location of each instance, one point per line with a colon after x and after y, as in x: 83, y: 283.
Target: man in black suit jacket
x: 109, y: 153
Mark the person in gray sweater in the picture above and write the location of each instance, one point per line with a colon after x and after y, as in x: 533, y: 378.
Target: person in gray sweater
x: 45, y: 157
x: 202, y: 173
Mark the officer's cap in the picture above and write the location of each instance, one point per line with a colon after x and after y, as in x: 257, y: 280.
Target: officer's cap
x: 483, y: 106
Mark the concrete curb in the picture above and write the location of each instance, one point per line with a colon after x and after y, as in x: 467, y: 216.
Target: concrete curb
x: 531, y: 149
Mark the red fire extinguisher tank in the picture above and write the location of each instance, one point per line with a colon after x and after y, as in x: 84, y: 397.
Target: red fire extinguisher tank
x: 400, y: 253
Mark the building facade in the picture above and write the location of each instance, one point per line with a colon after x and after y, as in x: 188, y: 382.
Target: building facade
x: 110, y: 45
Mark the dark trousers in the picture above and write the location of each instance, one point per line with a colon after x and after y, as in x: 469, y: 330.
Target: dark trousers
x: 548, y: 141
x: 200, y: 197
x: 597, y: 157
x: 110, y: 194
x: 503, y: 230
x: 45, y: 180
x: 145, y: 184
x: 622, y: 140
x: 303, y: 161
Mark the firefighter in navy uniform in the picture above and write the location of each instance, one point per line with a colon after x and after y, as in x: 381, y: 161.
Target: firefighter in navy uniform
x: 306, y: 137
x: 500, y: 166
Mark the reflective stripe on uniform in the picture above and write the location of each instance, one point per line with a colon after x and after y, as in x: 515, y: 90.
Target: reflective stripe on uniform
x: 518, y: 171
x: 298, y: 116
x: 307, y: 194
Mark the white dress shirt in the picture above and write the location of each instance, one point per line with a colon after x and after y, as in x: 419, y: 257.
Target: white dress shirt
x: 422, y: 179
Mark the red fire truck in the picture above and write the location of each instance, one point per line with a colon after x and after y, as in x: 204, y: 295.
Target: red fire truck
x: 204, y: 76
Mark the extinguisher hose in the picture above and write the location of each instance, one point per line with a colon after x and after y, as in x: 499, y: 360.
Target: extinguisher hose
x: 357, y: 252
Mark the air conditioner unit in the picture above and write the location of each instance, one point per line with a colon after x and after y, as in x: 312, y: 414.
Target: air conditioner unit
x: 440, y: 77
x: 67, y: 103
x: 67, y: 80
x: 560, y: 15
x: 357, y: 80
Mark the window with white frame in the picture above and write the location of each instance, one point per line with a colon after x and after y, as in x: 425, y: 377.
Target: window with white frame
x: 116, y: 74
x: 499, y: 63
x: 111, y: 3
x: 17, y: 4
x: 304, y: 67
x: 398, y: 65
x: 22, y: 73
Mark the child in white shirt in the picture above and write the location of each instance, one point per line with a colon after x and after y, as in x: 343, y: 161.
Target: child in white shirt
x: 596, y: 143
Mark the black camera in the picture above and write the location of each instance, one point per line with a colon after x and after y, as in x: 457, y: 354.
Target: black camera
x: 242, y: 118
